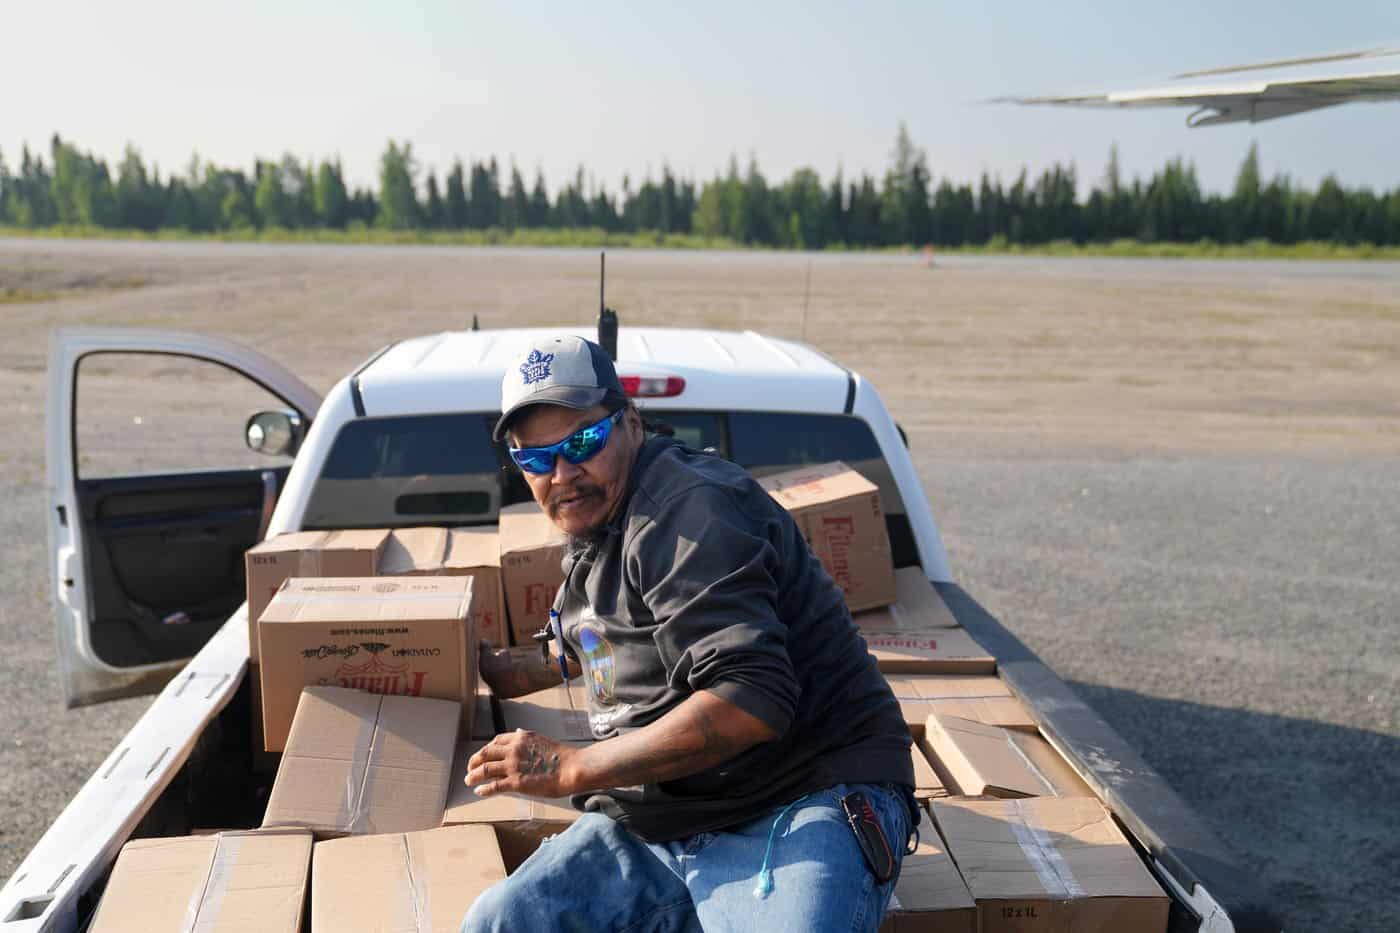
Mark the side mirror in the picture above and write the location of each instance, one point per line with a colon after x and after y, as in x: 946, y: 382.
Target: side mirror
x: 275, y: 433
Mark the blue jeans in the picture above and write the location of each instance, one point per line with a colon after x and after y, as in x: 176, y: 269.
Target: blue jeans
x: 597, y: 876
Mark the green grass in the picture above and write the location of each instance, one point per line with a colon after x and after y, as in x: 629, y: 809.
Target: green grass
x: 1201, y: 249
x: 539, y: 237
x: 596, y: 237
x: 19, y: 296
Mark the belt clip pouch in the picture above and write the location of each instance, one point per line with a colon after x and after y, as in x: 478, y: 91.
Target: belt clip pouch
x: 869, y: 836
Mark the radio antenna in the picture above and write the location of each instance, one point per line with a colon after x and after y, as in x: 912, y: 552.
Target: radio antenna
x: 607, y: 319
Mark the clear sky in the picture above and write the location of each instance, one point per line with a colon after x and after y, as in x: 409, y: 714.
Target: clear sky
x: 624, y: 88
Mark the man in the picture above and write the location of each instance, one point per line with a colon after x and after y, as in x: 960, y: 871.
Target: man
x: 756, y: 772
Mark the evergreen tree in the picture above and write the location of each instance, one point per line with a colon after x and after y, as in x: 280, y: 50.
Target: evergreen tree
x: 138, y: 204
x: 758, y: 219
x: 493, y: 190
x: 236, y: 211
x: 835, y: 209
x: 398, y: 199
x: 435, y: 210
x: 1325, y: 217
x: 809, y: 224
x: 1244, y: 202
x: 516, y: 211
x: 362, y: 208
x: 6, y: 192
x: 904, y: 210
x: 685, y: 205
x: 863, y: 226
x: 538, y: 214
x: 668, y: 206
x: 709, y: 218
x: 81, y: 188
x: 482, y: 211
x: 180, y: 212
x: 456, y: 206
x: 299, y: 186
x: 332, y: 200
x: 270, y: 202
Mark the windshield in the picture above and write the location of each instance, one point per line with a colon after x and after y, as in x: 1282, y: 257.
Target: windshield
x: 446, y: 470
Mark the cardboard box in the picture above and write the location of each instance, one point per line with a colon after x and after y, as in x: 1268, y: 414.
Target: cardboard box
x: 405, y: 636
x: 930, y: 896
x: 937, y: 651
x: 977, y: 759
x: 476, y: 553
x: 927, y: 784
x: 1047, y: 864
x: 359, y: 763
x: 455, y: 552
x: 414, y: 552
x: 978, y: 697
x: 229, y: 881
x: 532, y: 554
x: 349, y: 553
x: 484, y: 719
x: 556, y: 712
x: 403, y: 882
x: 839, y: 513
x: 521, y: 823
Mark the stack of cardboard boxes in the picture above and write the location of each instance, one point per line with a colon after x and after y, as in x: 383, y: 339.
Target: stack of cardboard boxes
x: 1011, y: 839
x: 363, y: 649
x: 363, y: 646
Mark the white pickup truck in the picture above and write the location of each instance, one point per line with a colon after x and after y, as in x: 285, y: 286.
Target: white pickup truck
x: 147, y: 571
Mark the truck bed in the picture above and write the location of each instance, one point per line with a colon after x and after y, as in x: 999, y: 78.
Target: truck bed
x: 189, y: 764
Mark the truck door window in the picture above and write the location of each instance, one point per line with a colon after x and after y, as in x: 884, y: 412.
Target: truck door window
x: 151, y: 413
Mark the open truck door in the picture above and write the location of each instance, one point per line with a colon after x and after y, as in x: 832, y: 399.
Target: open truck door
x: 154, y: 495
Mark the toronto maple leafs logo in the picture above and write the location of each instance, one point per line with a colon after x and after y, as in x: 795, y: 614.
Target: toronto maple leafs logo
x: 536, y: 366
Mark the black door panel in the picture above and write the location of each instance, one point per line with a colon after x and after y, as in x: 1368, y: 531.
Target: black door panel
x: 165, y: 559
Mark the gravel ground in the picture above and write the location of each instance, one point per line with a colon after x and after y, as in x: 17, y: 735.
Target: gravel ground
x: 1175, y: 481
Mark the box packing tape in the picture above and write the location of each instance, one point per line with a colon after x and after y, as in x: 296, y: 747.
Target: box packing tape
x: 206, y: 905
x: 418, y: 894
x: 353, y: 805
x: 1042, y: 854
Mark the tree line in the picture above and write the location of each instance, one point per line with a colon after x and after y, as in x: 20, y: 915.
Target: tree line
x: 904, y: 207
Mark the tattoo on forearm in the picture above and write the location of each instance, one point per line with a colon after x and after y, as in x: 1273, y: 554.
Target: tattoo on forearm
x: 691, y: 742
x: 536, y: 762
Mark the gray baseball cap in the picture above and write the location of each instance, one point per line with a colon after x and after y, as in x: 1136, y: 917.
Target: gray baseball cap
x: 566, y: 370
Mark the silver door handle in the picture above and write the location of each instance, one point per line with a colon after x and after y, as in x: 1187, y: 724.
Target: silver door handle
x: 269, y: 481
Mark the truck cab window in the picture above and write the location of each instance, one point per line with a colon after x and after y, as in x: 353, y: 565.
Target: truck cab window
x: 445, y: 469
x: 770, y: 442
x: 418, y: 470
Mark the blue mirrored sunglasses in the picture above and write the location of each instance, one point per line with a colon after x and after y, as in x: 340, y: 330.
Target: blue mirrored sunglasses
x: 578, y: 447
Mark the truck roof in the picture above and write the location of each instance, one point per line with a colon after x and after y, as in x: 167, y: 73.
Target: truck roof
x: 462, y: 370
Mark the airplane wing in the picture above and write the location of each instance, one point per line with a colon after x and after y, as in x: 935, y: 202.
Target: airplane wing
x: 1256, y: 92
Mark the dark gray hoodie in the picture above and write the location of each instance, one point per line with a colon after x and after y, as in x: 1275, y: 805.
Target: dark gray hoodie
x: 703, y: 582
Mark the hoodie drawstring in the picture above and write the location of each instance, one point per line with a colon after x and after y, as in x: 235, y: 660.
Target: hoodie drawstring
x: 764, y: 887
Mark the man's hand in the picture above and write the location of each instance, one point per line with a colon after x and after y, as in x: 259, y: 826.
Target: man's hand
x: 521, y: 762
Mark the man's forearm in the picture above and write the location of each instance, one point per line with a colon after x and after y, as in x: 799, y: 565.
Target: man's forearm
x: 704, y: 731
x: 513, y: 672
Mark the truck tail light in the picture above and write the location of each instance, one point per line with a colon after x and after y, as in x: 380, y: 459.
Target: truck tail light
x: 652, y: 386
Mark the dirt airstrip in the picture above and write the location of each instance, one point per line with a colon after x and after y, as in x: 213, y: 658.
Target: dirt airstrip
x: 1176, y: 480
